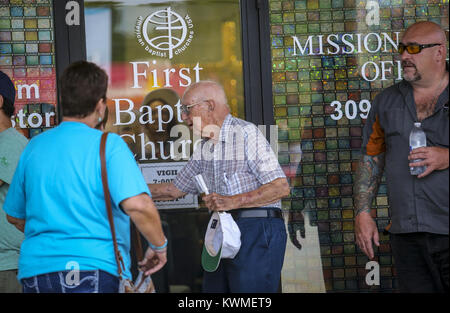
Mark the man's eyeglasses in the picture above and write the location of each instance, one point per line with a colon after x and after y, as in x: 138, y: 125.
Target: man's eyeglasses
x: 415, y: 48
x: 186, y: 109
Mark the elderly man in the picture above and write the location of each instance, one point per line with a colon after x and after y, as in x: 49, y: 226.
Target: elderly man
x: 245, y: 179
x: 419, y: 204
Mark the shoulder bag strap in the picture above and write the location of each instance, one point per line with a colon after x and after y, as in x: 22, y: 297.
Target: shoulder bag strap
x: 137, y: 243
x: 118, y: 256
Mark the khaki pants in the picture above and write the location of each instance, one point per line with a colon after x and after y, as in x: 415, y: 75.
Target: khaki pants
x: 9, y: 282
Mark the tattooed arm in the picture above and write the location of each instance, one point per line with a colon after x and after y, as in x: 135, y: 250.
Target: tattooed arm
x: 368, y: 177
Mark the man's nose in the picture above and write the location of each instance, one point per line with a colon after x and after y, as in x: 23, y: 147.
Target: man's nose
x: 405, y: 56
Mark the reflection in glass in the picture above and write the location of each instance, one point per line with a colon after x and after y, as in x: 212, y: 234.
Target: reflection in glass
x: 27, y: 57
x: 152, y: 51
x: 147, y: 46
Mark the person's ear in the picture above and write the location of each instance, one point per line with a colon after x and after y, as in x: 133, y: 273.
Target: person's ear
x: 1, y: 101
x: 442, y: 52
x: 211, y: 105
x: 101, y: 106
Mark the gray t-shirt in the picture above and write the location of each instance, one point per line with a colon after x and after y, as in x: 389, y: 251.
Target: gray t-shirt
x: 12, y: 144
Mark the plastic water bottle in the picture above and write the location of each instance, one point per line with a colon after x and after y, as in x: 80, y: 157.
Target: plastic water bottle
x: 417, y: 139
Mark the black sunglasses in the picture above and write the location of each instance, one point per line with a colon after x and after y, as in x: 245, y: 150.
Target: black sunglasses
x: 415, y: 48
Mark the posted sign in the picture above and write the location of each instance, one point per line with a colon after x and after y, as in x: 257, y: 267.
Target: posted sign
x: 157, y: 173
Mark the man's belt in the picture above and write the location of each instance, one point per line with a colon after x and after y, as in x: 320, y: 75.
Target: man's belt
x: 256, y: 212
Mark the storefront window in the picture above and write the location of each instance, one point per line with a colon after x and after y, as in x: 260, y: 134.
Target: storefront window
x: 27, y: 57
x: 330, y: 58
x: 152, y: 51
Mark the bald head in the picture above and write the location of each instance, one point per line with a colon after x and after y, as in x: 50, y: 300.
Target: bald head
x: 209, y: 91
x: 427, y: 30
x: 206, y: 90
x: 207, y: 101
x: 427, y: 66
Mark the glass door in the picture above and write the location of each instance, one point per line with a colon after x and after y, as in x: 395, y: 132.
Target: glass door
x: 152, y: 51
x: 27, y: 56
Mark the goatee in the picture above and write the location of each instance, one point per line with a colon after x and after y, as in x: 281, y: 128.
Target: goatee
x: 414, y: 77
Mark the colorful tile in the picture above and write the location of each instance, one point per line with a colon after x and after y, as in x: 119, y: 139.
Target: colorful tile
x: 16, y: 11
x: 5, y: 48
x: 17, y: 23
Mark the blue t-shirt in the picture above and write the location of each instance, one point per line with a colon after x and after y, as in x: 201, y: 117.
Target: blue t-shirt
x: 57, y: 189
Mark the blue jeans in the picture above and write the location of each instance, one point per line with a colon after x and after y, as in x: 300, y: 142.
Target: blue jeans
x: 257, y: 266
x: 96, y: 281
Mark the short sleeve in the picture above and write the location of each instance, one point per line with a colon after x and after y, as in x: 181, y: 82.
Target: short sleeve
x: 125, y: 179
x: 15, y: 204
x: 184, y: 180
x: 373, y: 134
x: 261, y: 159
x: 11, y: 147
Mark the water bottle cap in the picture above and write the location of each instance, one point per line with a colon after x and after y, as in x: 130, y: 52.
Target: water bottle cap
x: 417, y: 124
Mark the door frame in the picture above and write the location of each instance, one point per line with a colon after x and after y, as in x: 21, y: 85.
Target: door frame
x: 257, y: 62
x: 70, y: 46
x: 70, y: 41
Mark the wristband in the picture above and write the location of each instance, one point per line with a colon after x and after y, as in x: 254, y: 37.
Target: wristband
x: 153, y: 247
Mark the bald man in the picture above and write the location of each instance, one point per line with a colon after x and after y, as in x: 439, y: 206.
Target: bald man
x: 245, y: 179
x: 419, y: 204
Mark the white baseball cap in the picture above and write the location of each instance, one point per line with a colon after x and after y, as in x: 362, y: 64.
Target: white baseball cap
x: 222, y: 240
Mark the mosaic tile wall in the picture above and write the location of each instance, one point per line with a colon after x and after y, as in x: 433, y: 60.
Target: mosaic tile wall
x: 27, y: 56
x: 304, y: 87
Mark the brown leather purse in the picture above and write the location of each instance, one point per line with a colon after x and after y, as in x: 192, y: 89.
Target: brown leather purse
x: 143, y: 284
